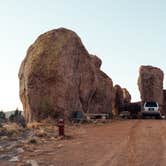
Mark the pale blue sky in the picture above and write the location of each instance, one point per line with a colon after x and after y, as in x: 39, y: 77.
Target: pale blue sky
x: 123, y: 33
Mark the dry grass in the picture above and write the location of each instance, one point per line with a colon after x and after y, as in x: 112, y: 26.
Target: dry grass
x: 12, y: 129
x: 34, y: 125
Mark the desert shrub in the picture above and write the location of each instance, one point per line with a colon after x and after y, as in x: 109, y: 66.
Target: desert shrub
x: 34, y: 125
x: 17, y: 118
x: 11, y: 118
x: 32, y: 140
x: 2, y: 115
x: 12, y: 129
x: 41, y: 133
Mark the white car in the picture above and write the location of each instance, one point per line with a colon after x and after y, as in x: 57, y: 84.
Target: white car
x: 151, y: 109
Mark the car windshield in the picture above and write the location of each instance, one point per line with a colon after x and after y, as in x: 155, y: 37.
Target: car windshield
x: 150, y: 104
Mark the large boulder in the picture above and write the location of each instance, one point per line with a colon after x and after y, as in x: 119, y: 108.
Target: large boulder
x: 150, y: 83
x: 58, y: 76
x: 121, y: 97
x: 126, y: 96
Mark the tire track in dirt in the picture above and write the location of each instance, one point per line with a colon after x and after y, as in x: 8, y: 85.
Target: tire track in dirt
x: 153, y: 143
x: 163, y: 137
x: 131, y: 148
x: 146, y: 145
x: 112, y: 158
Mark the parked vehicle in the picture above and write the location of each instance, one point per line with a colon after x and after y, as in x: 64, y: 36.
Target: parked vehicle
x: 151, y: 109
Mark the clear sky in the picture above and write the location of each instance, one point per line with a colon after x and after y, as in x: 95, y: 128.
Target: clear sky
x: 123, y: 33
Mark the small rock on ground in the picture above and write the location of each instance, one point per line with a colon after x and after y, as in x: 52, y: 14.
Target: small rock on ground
x: 32, y: 162
x: 14, y: 159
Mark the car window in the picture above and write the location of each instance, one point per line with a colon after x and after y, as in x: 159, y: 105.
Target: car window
x: 151, y: 104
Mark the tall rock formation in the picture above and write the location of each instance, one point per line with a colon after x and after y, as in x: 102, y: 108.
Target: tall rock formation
x: 58, y: 76
x: 150, y: 83
x: 126, y: 96
x: 121, y: 97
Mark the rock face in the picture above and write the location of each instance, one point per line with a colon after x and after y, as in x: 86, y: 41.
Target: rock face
x: 102, y: 99
x: 58, y: 76
x: 121, y: 97
x: 150, y: 83
x: 126, y: 96
x: 164, y: 102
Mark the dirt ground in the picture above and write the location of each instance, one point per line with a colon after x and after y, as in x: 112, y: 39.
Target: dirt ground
x: 119, y: 143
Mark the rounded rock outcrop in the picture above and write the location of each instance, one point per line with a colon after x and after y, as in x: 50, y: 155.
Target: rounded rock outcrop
x: 150, y: 83
x: 121, y: 97
x: 58, y: 76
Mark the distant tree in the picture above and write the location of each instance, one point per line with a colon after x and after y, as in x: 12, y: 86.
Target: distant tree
x: 17, y: 118
x: 16, y: 113
x: 2, y: 115
x: 11, y: 118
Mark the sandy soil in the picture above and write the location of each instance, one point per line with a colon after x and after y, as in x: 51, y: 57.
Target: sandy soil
x: 120, y: 143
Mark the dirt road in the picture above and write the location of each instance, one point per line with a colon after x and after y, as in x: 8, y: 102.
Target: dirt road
x: 120, y: 143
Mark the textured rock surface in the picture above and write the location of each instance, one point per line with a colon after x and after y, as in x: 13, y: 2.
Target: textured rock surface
x: 103, y: 97
x: 58, y: 77
x: 164, y: 102
x: 121, y: 97
x: 126, y: 96
x: 150, y: 83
